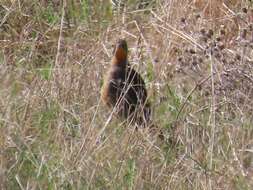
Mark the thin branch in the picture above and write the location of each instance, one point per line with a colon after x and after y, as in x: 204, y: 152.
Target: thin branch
x: 189, y: 95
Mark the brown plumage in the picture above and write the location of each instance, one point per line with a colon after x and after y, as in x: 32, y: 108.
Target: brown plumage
x: 124, y: 89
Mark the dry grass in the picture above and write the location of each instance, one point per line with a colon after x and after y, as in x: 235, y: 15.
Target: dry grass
x: 197, y: 60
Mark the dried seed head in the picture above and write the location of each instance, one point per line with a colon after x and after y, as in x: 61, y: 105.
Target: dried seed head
x: 221, y: 46
x: 244, y: 33
x: 180, y: 59
x: 218, y: 39
x: 213, y: 44
x: 176, y: 50
x: 251, y: 27
x: 210, y: 33
x: 200, y: 60
x: 206, y: 93
x: 222, y: 32
x: 192, y: 51
x: 205, y: 39
x: 217, y: 55
x: 202, y: 31
x: 183, y: 20
x: 244, y: 10
x: 238, y: 57
x: 198, y: 16
x: 224, y: 60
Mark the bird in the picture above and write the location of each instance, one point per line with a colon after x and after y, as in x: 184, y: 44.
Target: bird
x: 124, y: 89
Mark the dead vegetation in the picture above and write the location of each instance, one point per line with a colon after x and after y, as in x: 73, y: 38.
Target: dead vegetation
x: 197, y: 61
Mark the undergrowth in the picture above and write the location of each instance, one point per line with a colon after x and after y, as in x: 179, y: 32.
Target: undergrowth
x: 196, y: 59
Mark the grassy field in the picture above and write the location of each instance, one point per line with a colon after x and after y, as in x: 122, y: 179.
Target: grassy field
x: 197, y: 60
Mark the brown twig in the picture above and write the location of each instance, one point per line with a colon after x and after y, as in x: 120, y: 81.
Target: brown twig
x: 189, y: 95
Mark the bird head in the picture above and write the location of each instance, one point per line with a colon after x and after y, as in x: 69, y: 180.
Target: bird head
x: 120, y: 52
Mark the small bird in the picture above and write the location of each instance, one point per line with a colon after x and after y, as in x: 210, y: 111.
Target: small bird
x: 124, y: 89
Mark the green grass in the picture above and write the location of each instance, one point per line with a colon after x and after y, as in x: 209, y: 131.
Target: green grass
x: 45, y: 72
